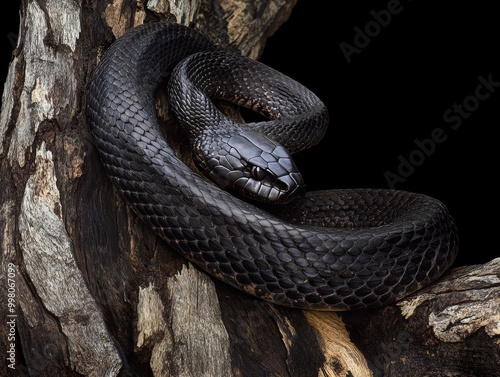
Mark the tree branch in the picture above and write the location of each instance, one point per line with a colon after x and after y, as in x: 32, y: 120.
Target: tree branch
x: 94, y: 292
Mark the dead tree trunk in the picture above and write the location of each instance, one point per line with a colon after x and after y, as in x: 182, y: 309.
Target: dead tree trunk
x: 88, y: 290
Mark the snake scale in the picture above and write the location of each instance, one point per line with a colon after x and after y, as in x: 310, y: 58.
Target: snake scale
x: 326, y: 250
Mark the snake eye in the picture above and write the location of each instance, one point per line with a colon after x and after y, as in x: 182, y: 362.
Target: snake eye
x: 257, y: 173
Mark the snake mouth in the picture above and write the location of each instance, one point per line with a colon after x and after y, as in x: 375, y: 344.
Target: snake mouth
x: 271, y: 190
x: 281, y: 190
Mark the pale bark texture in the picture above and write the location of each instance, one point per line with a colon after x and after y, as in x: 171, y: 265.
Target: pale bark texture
x: 88, y: 290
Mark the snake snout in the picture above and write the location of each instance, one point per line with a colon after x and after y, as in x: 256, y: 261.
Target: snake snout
x: 290, y: 187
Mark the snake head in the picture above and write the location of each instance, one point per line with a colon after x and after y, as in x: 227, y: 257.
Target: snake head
x: 252, y: 165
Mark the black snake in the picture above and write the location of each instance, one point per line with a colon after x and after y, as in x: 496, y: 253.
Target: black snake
x: 330, y: 250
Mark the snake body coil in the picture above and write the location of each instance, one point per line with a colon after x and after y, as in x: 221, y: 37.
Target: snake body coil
x: 330, y: 250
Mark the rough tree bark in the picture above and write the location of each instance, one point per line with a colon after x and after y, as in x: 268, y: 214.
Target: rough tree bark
x: 87, y: 289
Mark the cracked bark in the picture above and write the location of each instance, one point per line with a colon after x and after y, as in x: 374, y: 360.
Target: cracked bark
x: 97, y: 293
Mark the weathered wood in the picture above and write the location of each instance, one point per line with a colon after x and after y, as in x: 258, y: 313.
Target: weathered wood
x: 94, y: 292
x: 451, y: 328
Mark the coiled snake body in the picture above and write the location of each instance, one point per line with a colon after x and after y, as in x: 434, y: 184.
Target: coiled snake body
x: 329, y: 250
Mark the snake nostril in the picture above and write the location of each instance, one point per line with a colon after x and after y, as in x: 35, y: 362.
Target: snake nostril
x: 282, y: 185
x: 290, y: 186
x: 288, y: 190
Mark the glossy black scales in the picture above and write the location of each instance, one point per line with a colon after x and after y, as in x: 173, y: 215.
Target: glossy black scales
x: 330, y: 250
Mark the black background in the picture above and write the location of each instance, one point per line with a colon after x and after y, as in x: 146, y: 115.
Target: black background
x: 395, y: 90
